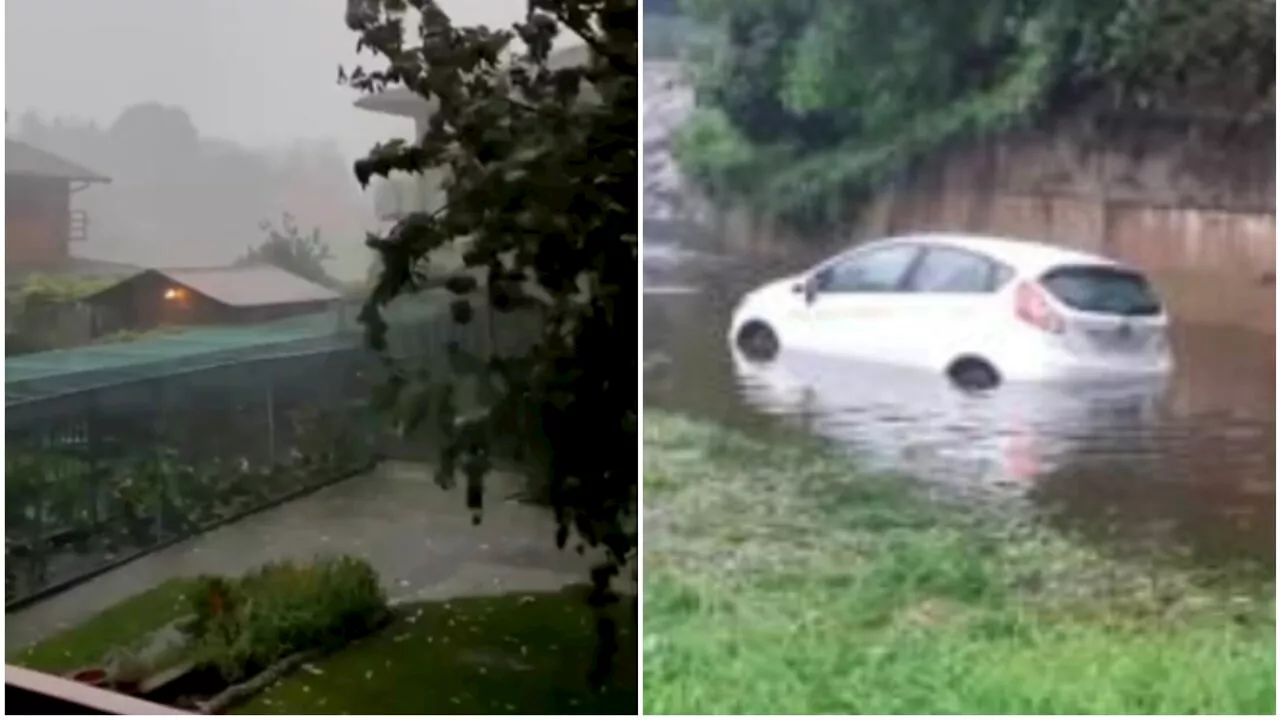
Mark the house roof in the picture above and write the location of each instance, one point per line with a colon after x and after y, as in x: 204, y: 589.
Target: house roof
x: 23, y: 159
x: 405, y: 102
x: 244, y: 286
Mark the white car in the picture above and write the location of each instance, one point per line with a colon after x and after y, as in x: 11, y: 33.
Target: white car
x: 978, y: 310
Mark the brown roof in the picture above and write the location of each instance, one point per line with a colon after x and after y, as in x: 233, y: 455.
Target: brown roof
x: 23, y: 159
x: 251, y: 285
x: 245, y: 286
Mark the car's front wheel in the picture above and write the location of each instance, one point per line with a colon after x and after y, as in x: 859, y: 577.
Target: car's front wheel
x: 974, y: 374
x: 757, y: 341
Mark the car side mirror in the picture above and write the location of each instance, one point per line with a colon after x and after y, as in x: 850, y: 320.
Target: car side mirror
x: 808, y: 288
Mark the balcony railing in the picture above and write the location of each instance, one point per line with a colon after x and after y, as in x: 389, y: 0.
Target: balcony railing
x: 78, y: 231
x: 27, y: 692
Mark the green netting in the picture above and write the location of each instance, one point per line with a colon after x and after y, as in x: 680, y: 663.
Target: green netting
x: 60, y: 372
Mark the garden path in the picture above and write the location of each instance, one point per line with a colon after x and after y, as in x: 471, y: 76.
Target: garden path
x: 418, y: 536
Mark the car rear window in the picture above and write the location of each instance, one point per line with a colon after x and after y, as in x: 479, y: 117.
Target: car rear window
x: 1102, y: 289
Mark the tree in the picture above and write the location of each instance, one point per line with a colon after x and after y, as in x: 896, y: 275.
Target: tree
x: 288, y: 249
x: 809, y: 103
x: 542, y: 183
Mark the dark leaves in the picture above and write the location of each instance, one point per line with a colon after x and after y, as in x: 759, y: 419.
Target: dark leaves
x: 539, y: 197
x: 461, y: 311
x: 460, y: 284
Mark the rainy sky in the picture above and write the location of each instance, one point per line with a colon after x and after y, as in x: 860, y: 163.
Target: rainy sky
x: 259, y: 72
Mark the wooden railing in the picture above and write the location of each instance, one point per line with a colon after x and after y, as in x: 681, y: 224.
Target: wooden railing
x: 27, y: 692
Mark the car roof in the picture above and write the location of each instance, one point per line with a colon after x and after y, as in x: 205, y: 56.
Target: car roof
x: 1028, y: 256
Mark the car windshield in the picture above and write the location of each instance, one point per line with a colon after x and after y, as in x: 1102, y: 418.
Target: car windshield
x: 1101, y: 289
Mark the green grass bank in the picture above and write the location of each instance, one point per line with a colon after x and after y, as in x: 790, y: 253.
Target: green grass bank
x: 779, y: 579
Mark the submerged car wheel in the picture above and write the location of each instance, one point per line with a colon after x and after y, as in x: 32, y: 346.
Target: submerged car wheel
x: 758, y: 341
x: 973, y: 373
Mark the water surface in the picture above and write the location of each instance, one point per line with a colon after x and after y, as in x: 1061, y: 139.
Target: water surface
x: 1188, y: 469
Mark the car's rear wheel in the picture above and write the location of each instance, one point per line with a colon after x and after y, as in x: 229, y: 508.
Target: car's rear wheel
x: 973, y: 373
x: 757, y: 341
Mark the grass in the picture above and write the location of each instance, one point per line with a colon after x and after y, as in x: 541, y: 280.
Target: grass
x: 779, y: 579
x: 527, y: 654
x: 120, y: 626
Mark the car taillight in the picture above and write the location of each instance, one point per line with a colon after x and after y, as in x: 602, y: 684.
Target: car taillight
x: 1032, y: 307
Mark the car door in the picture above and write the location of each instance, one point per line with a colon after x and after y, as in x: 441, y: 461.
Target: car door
x: 853, y: 306
x: 949, y: 294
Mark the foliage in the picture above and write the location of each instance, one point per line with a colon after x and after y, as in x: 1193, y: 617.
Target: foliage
x: 243, y: 626
x: 36, y: 306
x: 782, y: 578
x: 50, y: 289
x: 67, y: 499
x: 124, y: 336
x: 541, y: 167
x: 668, y: 37
x: 662, y: 7
x: 288, y: 249
x: 806, y: 106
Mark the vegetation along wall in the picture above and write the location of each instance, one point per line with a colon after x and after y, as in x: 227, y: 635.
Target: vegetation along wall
x: 1143, y: 130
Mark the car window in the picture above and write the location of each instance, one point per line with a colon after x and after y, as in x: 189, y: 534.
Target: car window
x: 871, y: 271
x: 948, y: 270
x: 1102, y: 289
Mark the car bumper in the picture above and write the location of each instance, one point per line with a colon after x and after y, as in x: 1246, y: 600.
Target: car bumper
x: 1067, y: 368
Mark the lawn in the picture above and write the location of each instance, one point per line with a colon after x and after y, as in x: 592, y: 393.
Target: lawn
x: 120, y: 626
x: 779, y: 579
x: 526, y: 654
x: 520, y: 653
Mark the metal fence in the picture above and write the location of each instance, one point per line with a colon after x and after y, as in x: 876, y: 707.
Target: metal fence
x: 100, y: 476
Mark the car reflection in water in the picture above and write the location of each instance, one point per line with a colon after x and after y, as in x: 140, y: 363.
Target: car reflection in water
x: 920, y: 423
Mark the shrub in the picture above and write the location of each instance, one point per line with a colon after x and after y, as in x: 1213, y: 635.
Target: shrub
x: 243, y: 626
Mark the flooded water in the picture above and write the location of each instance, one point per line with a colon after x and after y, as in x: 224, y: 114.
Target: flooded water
x: 1187, y: 469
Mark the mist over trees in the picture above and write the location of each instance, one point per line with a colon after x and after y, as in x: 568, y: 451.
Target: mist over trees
x: 178, y: 198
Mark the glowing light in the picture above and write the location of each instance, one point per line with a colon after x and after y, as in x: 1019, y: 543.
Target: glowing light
x: 173, y: 294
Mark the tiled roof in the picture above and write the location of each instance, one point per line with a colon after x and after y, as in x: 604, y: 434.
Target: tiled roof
x: 23, y: 159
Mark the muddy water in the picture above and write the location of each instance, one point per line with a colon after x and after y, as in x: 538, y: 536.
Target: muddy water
x: 1188, y: 468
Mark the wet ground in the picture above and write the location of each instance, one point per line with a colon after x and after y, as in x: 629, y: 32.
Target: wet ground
x: 1188, y: 470
x: 418, y: 536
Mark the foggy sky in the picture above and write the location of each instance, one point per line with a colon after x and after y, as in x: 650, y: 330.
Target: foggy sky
x: 259, y: 72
